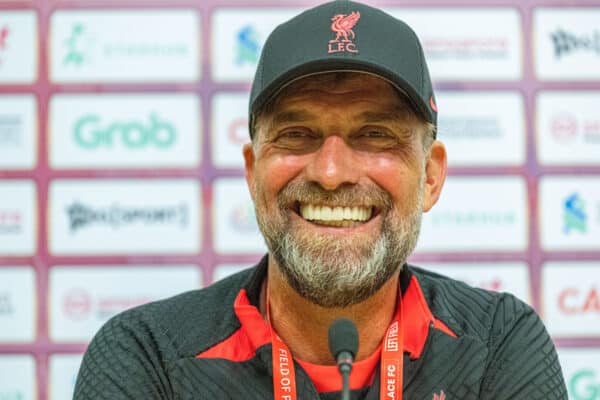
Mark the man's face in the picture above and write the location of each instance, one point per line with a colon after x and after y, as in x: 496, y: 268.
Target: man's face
x: 338, y: 180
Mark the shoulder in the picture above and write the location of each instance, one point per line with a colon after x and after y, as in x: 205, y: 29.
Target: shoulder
x: 468, y: 310
x: 507, y: 332
x: 183, y: 325
x: 519, y: 348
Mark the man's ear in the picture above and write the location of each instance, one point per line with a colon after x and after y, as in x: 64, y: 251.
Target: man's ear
x: 435, y: 171
x: 248, y: 151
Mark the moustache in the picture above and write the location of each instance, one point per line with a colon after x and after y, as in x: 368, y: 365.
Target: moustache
x: 346, y: 194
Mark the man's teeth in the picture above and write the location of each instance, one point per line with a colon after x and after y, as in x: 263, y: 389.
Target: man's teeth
x: 333, y: 214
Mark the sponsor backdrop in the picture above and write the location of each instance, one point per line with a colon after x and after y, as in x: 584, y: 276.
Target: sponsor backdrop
x: 121, y: 176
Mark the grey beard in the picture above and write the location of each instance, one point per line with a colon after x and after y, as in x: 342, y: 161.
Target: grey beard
x: 336, y: 277
x: 333, y: 274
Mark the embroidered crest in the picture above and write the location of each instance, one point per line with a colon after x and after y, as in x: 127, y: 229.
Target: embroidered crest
x: 344, y: 35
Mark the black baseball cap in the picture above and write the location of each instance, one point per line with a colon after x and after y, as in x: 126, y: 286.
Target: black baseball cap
x: 344, y: 35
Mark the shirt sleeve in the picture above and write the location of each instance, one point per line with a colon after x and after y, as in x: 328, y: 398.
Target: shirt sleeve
x: 123, y: 361
x: 523, y: 364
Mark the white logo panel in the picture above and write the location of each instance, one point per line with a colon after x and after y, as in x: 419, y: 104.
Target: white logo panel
x: 581, y: 370
x: 18, y: 131
x: 18, y: 47
x: 568, y: 127
x: 511, y: 277
x: 82, y: 299
x: 131, y: 131
x: 17, y: 304
x: 230, y: 129
x: 17, y: 377
x: 570, y: 213
x: 124, y: 216
x: 238, y: 35
x: 571, y: 298
x: 140, y: 46
x: 476, y: 214
x: 63, y: 369
x: 234, y: 221
x: 567, y: 43
x: 472, y: 123
x: 468, y: 44
x: 18, y: 218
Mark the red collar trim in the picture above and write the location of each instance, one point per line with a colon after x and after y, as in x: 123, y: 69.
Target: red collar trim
x: 254, y: 331
x: 417, y: 319
x: 242, y: 344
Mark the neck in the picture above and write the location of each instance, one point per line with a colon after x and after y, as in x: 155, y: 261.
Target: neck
x: 303, y: 325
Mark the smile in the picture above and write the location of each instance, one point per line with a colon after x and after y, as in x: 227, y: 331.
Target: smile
x: 335, y: 216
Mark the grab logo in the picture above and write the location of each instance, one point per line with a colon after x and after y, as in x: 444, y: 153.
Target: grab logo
x: 584, y: 385
x: 581, y: 371
x: 91, y: 133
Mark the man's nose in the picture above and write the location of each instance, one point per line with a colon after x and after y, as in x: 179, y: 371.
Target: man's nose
x: 333, y: 164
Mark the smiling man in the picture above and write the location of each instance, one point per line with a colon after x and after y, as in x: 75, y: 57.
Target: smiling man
x: 342, y: 164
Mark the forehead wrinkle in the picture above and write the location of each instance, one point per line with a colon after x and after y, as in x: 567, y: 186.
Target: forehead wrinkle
x: 288, y: 116
x: 381, y: 116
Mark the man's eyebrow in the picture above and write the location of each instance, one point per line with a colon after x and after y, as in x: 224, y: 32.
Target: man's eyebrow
x: 292, y: 116
x: 382, y: 116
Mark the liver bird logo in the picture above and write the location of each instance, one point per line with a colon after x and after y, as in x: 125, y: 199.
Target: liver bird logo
x: 342, y: 26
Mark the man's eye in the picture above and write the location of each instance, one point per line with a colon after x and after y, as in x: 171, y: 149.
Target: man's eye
x: 376, y: 134
x: 297, y: 139
x: 294, y: 134
x: 373, y: 139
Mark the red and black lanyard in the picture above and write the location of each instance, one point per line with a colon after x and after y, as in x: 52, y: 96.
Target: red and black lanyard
x: 284, y: 378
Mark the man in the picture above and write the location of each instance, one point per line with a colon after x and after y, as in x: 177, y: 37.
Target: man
x: 342, y: 164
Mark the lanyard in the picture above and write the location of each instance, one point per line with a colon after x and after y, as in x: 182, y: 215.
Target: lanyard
x: 284, y: 374
x: 390, y: 380
x: 284, y: 377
